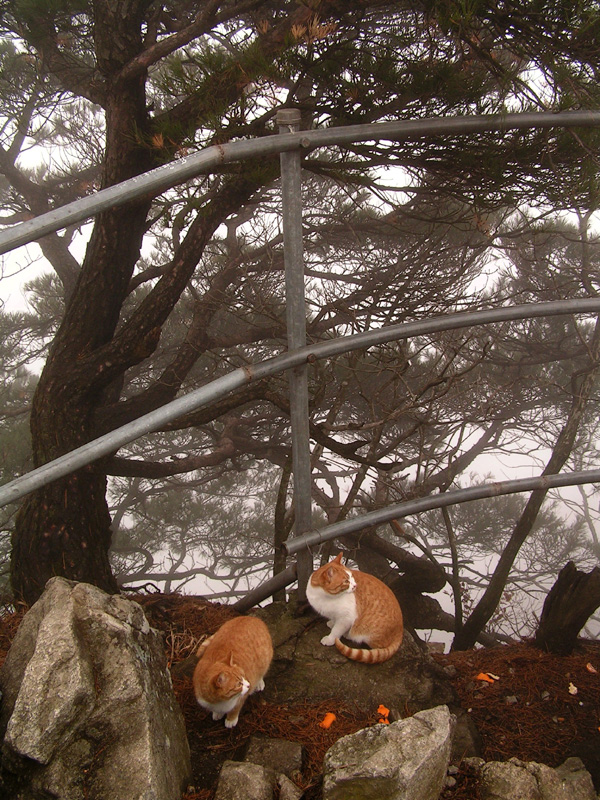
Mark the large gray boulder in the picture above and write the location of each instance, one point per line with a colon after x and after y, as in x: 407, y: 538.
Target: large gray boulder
x: 406, y: 760
x: 88, y: 710
x: 520, y: 780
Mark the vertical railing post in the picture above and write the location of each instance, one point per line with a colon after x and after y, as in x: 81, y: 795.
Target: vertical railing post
x: 288, y: 120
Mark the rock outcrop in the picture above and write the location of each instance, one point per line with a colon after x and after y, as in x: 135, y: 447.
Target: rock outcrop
x: 407, y: 759
x: 88, y: 710
x: 241, y: 780
x: 88, y: 713
x: 509, y: 780
x: 411, y: 680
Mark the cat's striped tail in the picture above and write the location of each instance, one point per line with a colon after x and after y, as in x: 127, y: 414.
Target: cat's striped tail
x: 375, y: 656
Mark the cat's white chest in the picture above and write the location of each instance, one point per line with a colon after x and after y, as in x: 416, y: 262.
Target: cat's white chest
x: 336, y: 606
x: 222, y: 707
x: 340, y: 608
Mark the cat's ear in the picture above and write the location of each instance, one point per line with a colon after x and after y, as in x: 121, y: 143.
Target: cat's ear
x: 338, y: 558
x: 230, y: 660
x: 220, y: 679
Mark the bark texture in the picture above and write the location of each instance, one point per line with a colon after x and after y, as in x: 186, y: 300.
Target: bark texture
x: 569, y: 604
x: 64, y: 529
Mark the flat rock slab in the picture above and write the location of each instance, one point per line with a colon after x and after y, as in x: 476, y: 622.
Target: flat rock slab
x: 304, y: 669
x: 279, y: 755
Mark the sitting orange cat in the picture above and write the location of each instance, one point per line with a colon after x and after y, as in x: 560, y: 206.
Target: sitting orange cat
x: 358, y: 606
x: 233, y: 663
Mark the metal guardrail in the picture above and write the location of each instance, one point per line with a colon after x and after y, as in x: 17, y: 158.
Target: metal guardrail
x: 440, y: 500
x: 294, y: 142
x: 295, y: 312
x: 166, y: 177
x: 153, y: 421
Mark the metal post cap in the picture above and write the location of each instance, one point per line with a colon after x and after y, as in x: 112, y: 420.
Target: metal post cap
x: 288, y: 116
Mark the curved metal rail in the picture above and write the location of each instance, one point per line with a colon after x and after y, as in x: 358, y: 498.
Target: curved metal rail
x: 153, y: 421
x: 169, y: 175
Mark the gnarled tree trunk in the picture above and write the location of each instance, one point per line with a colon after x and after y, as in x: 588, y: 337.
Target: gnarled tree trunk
x: 64, y: 528
x: 569, y: 604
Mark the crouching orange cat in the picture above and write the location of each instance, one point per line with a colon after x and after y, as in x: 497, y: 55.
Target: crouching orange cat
x: 233, y: 663
x: 359, y: 606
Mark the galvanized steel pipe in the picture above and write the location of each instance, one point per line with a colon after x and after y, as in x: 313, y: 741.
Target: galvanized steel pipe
x: 288, y: 120
x: 153, y: 421
x: 440, y: 500
x: 166, y: 177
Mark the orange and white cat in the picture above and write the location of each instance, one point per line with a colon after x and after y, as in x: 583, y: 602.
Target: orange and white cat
x: 359, y: 606
x: 232, y: 666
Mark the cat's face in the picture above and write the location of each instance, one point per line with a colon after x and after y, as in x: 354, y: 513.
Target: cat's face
x: 224, y: 682
x: 334, y: 578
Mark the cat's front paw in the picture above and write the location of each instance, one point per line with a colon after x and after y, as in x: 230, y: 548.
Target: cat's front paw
x: 217, y: 715
x: 328, y: 640
x: 231, y: 723
x: 260, y: 686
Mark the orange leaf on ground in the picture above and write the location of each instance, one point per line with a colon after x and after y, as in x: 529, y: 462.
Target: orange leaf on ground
x: 484, y: 677
x: 327, y: 720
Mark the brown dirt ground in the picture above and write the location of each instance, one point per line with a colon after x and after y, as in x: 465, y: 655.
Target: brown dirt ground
x: 529, y: 709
